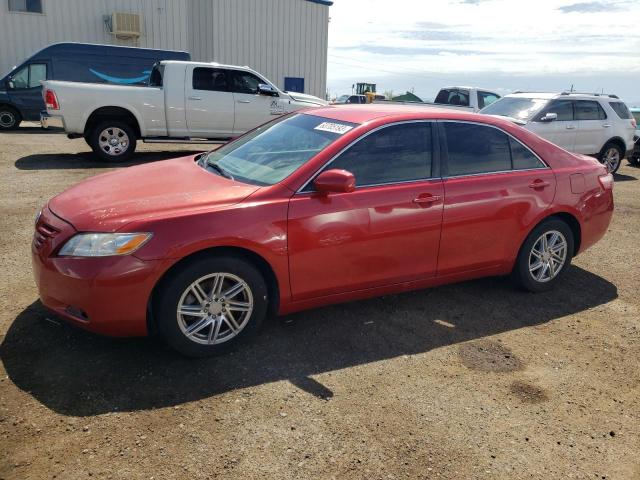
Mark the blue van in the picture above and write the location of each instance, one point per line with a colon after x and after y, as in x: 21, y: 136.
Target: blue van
x: 21, y: 92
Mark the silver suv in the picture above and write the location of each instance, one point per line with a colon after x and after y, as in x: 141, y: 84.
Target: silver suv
x: 599, y: 125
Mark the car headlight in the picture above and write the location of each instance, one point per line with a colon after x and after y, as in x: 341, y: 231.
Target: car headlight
x: 103, y: 244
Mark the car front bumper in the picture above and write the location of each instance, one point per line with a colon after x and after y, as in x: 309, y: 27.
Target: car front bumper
x: 105, y: 295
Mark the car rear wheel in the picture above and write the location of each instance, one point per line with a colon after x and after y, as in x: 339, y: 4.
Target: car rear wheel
x: 611, y: 157
x: 9, y: 118
x: 211, y: 305
x: 113, y: 141
x: 544, y: 256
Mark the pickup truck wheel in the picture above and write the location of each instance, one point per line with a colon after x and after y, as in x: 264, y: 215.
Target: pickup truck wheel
x: 113, y: 141
x: 9, y: 118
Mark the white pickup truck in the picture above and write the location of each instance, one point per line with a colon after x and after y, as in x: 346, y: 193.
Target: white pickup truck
x: 465, y: 98
x: 184, y: 102
x: 458, y: 98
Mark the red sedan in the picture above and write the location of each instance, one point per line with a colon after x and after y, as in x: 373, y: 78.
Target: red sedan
x: 319, y: 207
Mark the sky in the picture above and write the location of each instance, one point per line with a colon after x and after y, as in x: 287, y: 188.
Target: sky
x: 501, y: 45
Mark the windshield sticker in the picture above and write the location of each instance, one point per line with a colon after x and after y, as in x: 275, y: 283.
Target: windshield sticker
x: 333, y: 127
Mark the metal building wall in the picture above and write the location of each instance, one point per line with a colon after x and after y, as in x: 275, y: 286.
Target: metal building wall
x: 279, y: 38
x: 164, y: 25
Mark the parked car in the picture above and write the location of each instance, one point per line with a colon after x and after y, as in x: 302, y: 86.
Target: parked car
x: 183, y: 102
x: 465, y: 98
x: 350, y: 99
x: 318, y: 207
x: 21, y: 90
x: 634, y: 158
x: 591, y: 124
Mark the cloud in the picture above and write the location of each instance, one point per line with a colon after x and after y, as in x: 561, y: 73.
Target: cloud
x: 589, y: 7
x: 411, y: 51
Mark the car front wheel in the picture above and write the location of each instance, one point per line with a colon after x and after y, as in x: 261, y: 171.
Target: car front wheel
x: 544, y: 256
x: 211, y: 305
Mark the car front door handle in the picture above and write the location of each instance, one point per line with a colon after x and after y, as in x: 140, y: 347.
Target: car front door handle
x: 539, y: 184
x: 194, y: 98
x: 426, y: 199
x: 606, y: 125
x: 244, y: 101
x: 571, y: 127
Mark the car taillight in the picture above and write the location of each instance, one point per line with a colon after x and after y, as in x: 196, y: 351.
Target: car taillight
x: 51, y: 100
x: 606, y: 181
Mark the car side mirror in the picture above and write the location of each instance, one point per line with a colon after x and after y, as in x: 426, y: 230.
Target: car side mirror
x: 266, y: 89
x: 10, y: 85
x: 549, y: 117
x: 336, y: 181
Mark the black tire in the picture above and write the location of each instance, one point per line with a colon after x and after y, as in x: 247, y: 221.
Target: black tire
x: 602, y: 157
x: 10, y: 118
x: 522, y: 274
x: 176, y: 288
x: 113, y: 129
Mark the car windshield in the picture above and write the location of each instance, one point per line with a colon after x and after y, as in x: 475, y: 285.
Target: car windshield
x: 270, y: 153
x: 515, y: 107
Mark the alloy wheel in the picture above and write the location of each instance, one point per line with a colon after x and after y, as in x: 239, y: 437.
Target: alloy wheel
x: 612, y: 159
x: 215, y: 308
x: 113, y: 141
x: 548, y: 256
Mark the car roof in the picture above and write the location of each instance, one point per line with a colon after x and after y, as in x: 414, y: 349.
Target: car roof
x: 554, y: 95
x: 363, y: 113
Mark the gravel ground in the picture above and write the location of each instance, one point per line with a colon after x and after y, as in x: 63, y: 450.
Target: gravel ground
x: 468, y: 381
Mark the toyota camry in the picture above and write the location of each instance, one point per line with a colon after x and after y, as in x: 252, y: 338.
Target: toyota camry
x: 314, y: 208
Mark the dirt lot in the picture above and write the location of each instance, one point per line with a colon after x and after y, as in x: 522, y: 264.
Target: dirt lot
x: 469, y: 381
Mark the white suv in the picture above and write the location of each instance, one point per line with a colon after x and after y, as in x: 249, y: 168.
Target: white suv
x: 592, y: 124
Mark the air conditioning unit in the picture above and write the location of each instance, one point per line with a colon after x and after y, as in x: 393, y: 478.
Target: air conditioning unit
x: 125, y: 25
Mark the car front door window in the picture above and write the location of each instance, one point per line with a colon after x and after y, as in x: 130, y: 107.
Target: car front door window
x: 21, y: 78
x: 562, y: 108
x: 245, y: 82
x: 394, y: 154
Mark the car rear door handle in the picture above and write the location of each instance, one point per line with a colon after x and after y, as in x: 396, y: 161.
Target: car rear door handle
x: 194, y: 98
x: 571, y: 127
x: 539, y: 184
x: 244, y: 101
x: 426, y: 199
x: 606, y: 125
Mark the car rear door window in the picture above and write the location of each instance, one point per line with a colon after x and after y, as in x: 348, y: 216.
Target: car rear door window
x: 621, y: 110
x: 588, y: 110
x: 522, y: 158
x: 474, y: 148
x: 393, y: 154
x: 213, y: 79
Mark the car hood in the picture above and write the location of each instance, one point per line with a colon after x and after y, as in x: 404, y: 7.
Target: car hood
x: 108, y: 202
x: 310, y: 99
